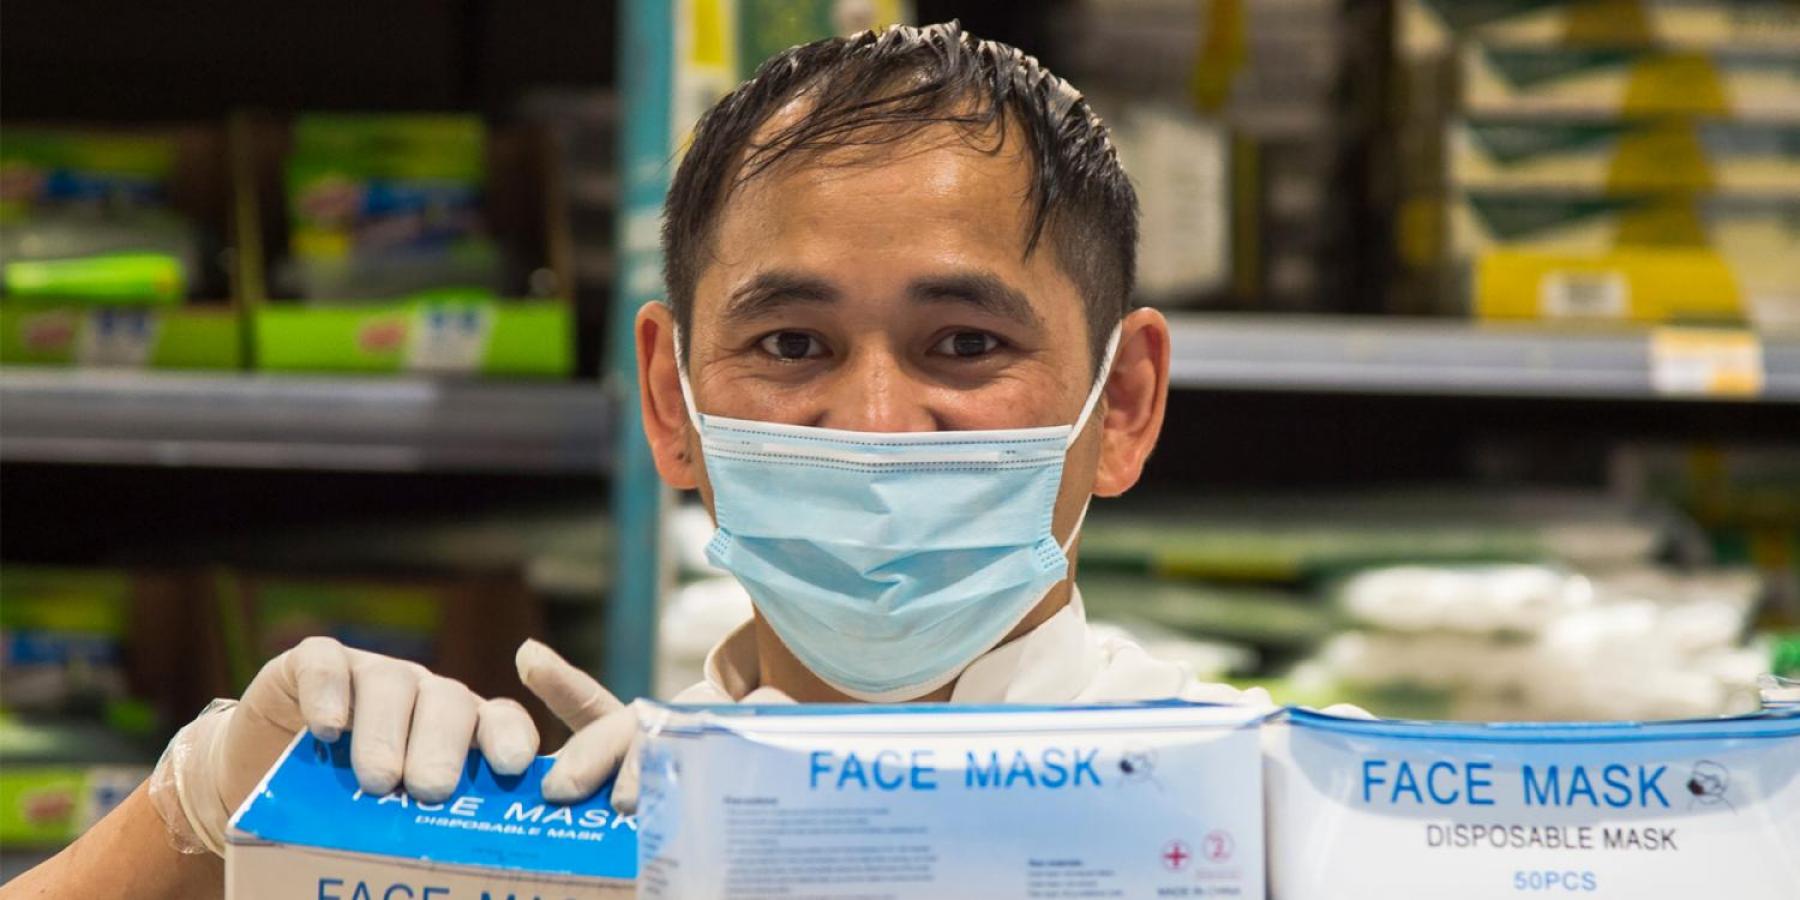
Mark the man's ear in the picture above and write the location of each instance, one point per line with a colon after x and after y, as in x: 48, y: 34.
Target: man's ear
x: 666, y: 422
x: 1137, y: 395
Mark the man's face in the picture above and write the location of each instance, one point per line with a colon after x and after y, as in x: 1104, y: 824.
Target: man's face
x: 888, y: 290
x: 888, y: 293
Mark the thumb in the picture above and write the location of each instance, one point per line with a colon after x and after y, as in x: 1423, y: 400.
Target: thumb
x: 307, y: 687
x: 571, y: 694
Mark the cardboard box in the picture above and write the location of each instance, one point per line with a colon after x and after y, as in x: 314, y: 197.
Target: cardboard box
x: 1639, y: 257
x: 131, y: 644
x: 308, y: 833
x: 1158, y: 799
x: 1366, y: 809
x: 45, y: 806
x: 196, y: 327
x: 1182, y: 165
x: 1626, y: 155
x: 176, y: 337
x: 529, y: 331
x: 465, y: 627
x: 1432, y: 26
x: 1526, y: 80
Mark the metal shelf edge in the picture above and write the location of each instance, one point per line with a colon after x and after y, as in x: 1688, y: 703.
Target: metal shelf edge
x: 319, y: 423
x: 1428, y: 358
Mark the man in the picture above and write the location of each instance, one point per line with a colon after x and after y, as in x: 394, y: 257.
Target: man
x: 897, y: 358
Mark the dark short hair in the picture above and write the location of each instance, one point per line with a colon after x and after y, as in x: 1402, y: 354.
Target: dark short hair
x: 879, y: 87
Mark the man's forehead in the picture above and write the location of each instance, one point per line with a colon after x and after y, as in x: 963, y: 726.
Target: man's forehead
x: 937, y: 214
x: 958, y: 128
x: 935, y: 171
x: 927, y: 217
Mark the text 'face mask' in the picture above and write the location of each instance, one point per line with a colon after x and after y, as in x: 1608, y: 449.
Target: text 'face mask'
x: 887, y: 562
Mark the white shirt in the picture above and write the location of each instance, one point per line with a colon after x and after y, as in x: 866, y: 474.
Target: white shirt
x: 1060, y: 661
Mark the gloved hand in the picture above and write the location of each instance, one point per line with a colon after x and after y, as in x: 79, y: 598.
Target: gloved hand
x: 606, y: 738
x: 605, y: 730
x: 1348, y: 711
x: 412, y: 727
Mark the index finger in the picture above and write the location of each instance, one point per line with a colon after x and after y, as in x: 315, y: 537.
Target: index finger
x: 571, y: 694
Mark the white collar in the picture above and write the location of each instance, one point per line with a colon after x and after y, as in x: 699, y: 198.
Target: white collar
x: 1051, y: 663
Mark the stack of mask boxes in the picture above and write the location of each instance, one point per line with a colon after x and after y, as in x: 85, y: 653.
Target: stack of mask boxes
x: 1627, y: 160
x: 1240, y: 123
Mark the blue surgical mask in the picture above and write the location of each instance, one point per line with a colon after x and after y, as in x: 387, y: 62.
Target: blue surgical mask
x: 887, y: 562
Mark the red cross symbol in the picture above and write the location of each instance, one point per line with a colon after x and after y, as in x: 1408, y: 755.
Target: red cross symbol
x: 1175, y: 855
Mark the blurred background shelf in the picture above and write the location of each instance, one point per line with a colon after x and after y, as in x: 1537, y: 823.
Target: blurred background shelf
x: 1327, y: 354
x: 308, y: 423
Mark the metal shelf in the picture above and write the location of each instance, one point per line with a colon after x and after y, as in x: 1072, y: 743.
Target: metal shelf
x: 403, y: 424
x: 1430, y: 358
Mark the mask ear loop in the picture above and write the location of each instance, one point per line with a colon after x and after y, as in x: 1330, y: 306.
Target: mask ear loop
x: 1099, y: 388
x: 681, y: 372
x: 1087, y: 409
x: 1080, y: 519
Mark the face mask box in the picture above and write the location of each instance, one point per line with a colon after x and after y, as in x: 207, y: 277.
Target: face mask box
x: 1379, y: 809
x: 308, y: 833
x: 1156, y: 799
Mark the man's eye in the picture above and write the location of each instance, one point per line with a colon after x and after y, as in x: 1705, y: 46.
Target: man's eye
x: 967, y: 344
x: 792, y: 345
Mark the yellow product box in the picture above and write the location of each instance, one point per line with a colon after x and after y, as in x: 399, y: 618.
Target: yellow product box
x: 1625, y: 155
x: 1652, y: 258
x: 1527, y: 80
x: 1430, y: 27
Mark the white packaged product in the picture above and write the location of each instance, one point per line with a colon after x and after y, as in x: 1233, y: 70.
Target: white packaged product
x: 1704, y: 808
x: 1160, y: 799
x: 309, y: 833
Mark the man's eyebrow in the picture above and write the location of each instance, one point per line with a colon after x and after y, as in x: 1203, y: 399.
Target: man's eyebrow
x: 774, y: 289
x: 983, y: 290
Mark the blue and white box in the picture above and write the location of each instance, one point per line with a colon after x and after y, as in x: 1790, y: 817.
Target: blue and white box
x: 1158, y: 799
x: 1362, y: 809
x: 309, y: 833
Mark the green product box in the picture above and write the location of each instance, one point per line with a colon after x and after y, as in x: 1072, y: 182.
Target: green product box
x: 395, y: 619
x: 110, y: 253
x: 63, y: 637
x: 191, y: 337
x: 412, y: 243
x: 49, y: 167
x: 527, y: 338
x: 47, y: 806
x: 767, y: 27
x: 464, y: 627
x: 384, y: 184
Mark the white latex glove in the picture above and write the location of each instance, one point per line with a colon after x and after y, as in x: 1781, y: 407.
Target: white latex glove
x: 606, y: 738
x: 1348, y: 711
x: 412, y: 727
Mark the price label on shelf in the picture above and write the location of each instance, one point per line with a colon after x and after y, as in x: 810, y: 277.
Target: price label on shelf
x: 449, y: 338
x: 121, y: 338
x: 1706, y: 362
